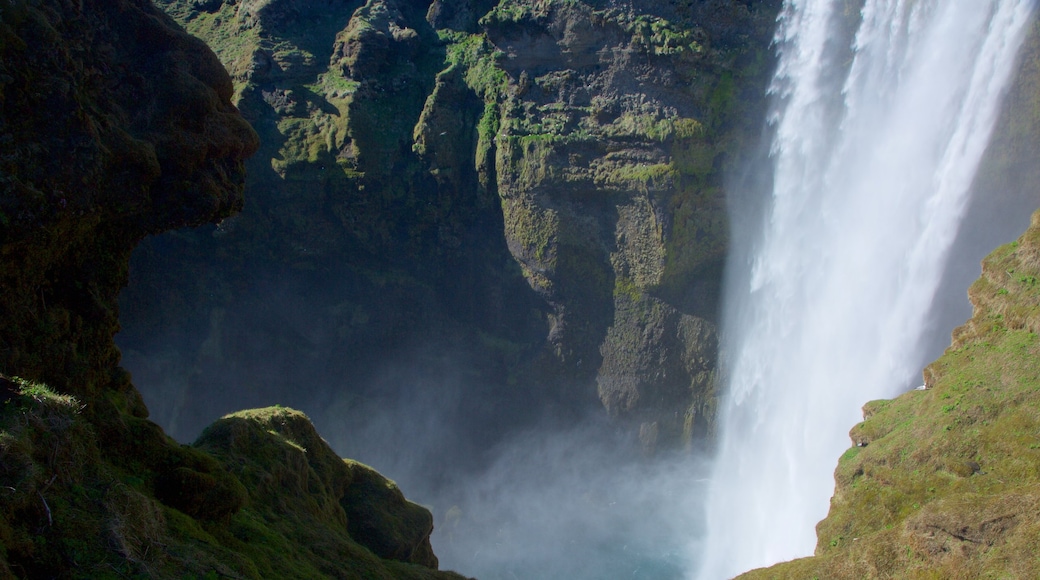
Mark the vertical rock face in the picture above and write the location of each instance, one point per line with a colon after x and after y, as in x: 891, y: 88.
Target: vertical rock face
x: 110, y: 133
x: 530, y: 190
x: 610, y: 158
x: 116, y: 124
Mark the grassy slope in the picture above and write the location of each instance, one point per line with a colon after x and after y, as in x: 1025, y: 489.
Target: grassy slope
x: 947, y: 485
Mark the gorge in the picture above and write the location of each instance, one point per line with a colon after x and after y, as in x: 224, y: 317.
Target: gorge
x: 483, y: 245
x: 472, y: 230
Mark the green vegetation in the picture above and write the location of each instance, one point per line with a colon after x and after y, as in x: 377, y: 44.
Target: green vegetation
x: 309, y: 514
x: 480, y: 59
x: 648, y: 32
x: 659, y: 36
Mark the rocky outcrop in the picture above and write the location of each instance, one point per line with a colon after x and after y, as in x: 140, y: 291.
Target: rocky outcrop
x: 116, y: 124
x: 260, y: 495
x: 534, y: 188
x: 609, y: 165
x: 111, y: 133
x: 321, y: 503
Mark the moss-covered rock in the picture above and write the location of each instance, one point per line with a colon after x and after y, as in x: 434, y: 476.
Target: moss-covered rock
x: 111, y: 133
x: 487, y: 172
x: 117, y: 124
x: 69, y: 510
x: 617, y: 128
x: 297, y: 483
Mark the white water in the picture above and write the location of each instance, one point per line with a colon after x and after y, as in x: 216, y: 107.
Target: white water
x: 873, y: 159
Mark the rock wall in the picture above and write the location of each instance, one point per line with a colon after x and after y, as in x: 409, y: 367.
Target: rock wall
x: 116, y: 124
x: 531, y: 191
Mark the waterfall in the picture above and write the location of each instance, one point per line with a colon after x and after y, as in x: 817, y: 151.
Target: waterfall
x: 877, y: 133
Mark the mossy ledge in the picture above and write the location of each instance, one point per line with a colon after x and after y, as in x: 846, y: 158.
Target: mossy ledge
x: 259, y: 495
x: 943, y: 482
x: 115, y: 124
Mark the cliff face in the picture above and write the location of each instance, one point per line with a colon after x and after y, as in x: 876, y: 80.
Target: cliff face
x: 109, y: 134
x: 529, y: 190
x: 116, y: 124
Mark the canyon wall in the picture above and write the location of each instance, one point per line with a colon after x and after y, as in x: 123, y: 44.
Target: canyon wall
x: 499, y: 212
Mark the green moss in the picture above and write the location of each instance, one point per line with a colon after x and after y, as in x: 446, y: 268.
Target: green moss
x: 643, y: 177
x: 534, y: 229
x: 320, y: 505
x: 626, y: 288
x: 480, y: 59
x: 649, y: 126
x: 511, y: 13
x: 233, y: 44
x: 333, y: 83
x: 82, y: 516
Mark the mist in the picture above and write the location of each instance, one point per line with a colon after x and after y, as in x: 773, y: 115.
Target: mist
x: 527, y: 476
x: 519, y: 488
x: 576, y: 503
x: 525, y: 480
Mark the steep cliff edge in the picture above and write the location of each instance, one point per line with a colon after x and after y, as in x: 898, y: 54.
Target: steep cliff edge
x: 116, y: 124
x: 532, y: 191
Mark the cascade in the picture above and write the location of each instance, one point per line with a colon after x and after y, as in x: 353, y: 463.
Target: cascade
x: 879, y: 123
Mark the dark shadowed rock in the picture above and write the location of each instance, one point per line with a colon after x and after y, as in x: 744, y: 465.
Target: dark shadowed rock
x: 116, y: 124
x: 492, y: 182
